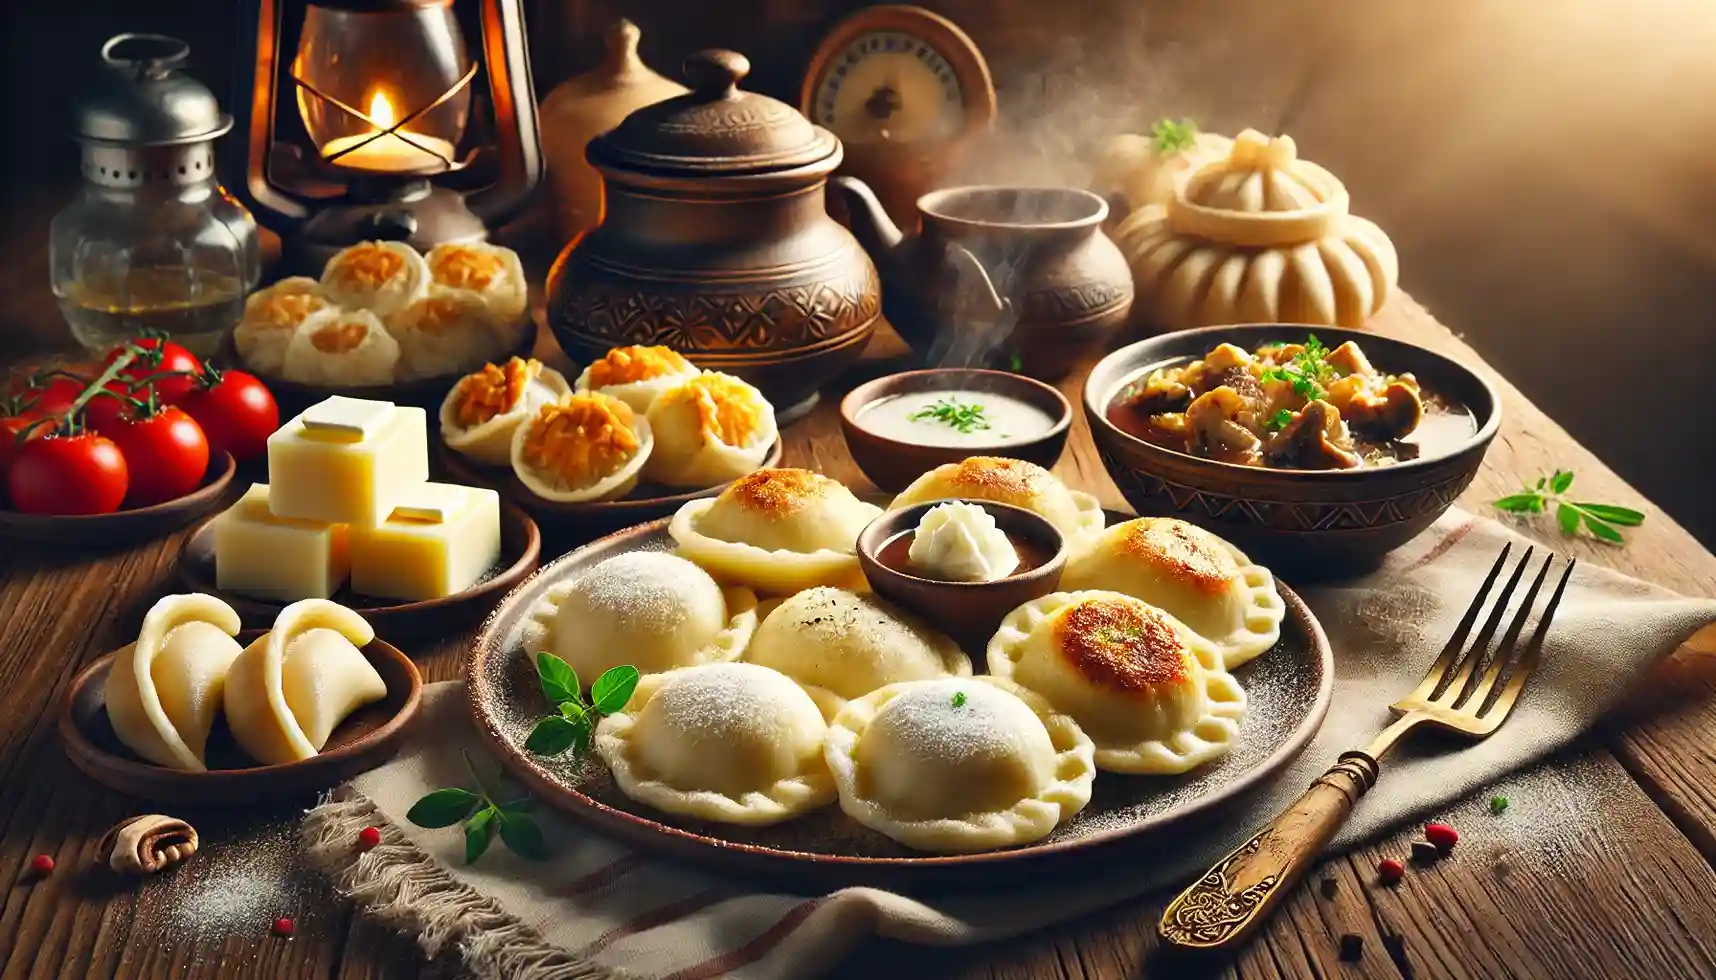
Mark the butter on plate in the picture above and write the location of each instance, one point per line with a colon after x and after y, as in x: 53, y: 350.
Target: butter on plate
x: 347, y: 461
x: 440, y: 539
x: 258, y: 553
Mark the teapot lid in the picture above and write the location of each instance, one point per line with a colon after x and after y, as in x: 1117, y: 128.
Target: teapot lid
x: 716, y: 129
x: 142, y: 98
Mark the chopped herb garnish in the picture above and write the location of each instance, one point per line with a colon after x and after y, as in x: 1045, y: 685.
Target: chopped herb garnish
x: 1308, y: 371
x: 966, y: 418
x: 1498, y: 804
x: 1168, y: 136
x: 1599, y: 520
x: 1278, y: 421
x: 959, y: 699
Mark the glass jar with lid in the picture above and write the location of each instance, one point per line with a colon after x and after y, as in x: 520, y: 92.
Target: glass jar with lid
x: 152, y: 240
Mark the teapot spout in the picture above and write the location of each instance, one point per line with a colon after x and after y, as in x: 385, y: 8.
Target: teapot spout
x: 870, y: 222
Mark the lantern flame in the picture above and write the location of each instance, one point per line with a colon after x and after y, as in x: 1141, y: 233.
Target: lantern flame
x: 381, y: 111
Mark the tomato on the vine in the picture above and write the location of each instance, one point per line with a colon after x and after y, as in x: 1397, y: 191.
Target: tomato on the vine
x: 68, y: 473
x: 103, y: 411
x: 236, y: 411
x: 165, y: 453
x: 15, y: 430
x: 158, y: 356
x: 52, y: 396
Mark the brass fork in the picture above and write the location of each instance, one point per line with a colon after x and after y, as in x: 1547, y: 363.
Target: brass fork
x: 1466, y: 691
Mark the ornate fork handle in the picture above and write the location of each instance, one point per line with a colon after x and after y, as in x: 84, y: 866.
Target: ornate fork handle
x: 1233, y: 898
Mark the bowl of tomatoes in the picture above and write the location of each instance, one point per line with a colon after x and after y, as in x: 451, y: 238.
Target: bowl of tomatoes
x: 134, y: 447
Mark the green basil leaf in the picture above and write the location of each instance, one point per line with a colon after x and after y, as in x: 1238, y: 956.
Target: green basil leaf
x: 1602, y: 531
x: 553, y: 735
x: 442, y: 808
x: 573, y: 712
x: 523, y: 837
x: 559, y: 680
x: 1623, y: 516
x: 1568, y: 518
x: 479, y: 832
x: 614, y: 688
x: 1561, y: 481
x: 1520, y: 503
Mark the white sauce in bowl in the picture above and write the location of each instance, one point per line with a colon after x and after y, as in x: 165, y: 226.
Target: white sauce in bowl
x: 955, y: 417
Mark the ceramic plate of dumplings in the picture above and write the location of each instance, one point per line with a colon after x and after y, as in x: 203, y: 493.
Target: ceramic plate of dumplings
x: 870, y: 816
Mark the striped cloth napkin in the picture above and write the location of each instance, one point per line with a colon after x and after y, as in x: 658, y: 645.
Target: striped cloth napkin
x: 599, y: 910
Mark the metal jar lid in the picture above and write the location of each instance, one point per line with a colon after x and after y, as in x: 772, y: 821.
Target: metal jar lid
x: 142, y: 98
x: 716, y: 130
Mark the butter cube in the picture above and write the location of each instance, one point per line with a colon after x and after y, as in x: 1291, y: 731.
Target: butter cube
x: 440, y: 539
x: 268, y: 557
x: 347, y: 461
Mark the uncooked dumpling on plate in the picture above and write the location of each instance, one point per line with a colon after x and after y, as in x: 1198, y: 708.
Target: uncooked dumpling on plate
x: 289, y: 690
x: 381, y: 277
x: 164, y: 690
x: 709, y: 429
x: 271, y: 316
x: 341, y: 347
x: 443, y: 333
x: 959, y: 764
x: 481, y: 412
x: 583, y: 447
x: 492, y: 275
x: 851, y: 644
x: 649, y: 609
x: 1148, y: 691
x: 1189, y: 573
x: 776, y: 530
x: 731, y: 742
x: 636, y: 375
x: 1077, y: 515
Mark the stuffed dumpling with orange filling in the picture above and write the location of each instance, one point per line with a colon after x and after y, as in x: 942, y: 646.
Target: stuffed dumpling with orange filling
x: 341, y: 347
x: 491, y: 275
x: 481, y: 413
x: 381, y: 277
x: 636, y: 375
x: 271, y: 316
x: 709, y: 429
x: 445, y: 332
x: 585, y: 446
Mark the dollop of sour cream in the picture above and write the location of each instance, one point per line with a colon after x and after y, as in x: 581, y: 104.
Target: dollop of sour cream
x: 959, y: 542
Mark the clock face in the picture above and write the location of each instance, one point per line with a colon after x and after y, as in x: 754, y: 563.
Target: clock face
x: 888, y: 86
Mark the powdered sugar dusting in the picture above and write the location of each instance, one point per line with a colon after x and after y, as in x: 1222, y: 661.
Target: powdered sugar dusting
x: 244, y: 875
x: 718, y: 702
x: 649, y: 589
x: 958, y: 723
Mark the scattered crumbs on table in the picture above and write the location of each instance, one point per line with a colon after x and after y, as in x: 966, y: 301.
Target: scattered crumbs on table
x: 1329, y: 886
x: 1424, y: 852
x: 248, y: 874
x: 1352, y: 946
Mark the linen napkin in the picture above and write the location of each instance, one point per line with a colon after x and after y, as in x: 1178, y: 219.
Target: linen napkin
x: 599, y: 910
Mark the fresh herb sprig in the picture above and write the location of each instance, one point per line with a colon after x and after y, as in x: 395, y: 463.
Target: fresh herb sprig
x: 1307, y: 372
x: 1168, y: 136
x: 575, y: 718
x: 1599, y: 520
x: 966, y: 418
x: 482, y: 817
x: 958, y: 699
x: 1278, y: 421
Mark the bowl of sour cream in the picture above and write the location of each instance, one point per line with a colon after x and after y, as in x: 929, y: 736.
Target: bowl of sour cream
x: 900, y: 426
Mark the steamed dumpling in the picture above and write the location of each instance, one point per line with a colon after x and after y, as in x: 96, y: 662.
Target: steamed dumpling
x: 443, y: 333
x: 271, y: 316
x: 164, y: 690
x: 959, y: 765
x: 341, y: 348
x: 709, y: 429
x: 381, y: 277
x: 481, y: 412
x: 1149, y: 692
x: 851, y: 644
x: 1189, y: 573
x: 490, y: 275
x: 292, y: 687
x: 776, y: 530
x: 649, y: 609
x: 1078, y: 516
x: 585, y: 446
x: 636, y: 375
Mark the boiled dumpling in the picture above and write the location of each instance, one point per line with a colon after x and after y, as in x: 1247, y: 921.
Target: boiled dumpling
x: 1189, y: 573
x: 292, y: 687
x: 851, y: 644
x: 1149, y: 692
x: 443, y: 333
x: 636, y: 375
x: 381, y: 277
x: 709, y: 429
x: 731, y: 742
x: 491, y: 275
x: 584, y: 446
x: 959, y: 765
x: 341, y: 347
x: 271, y: 316
x: 649, y: 609
x: 480, y: 414
x: 163, y: 691
x: 777, y: 530
x: 1078, y: 516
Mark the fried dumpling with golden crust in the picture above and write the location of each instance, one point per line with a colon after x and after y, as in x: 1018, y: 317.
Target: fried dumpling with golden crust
x: 585, y: 446
x: 481, y: 412
x: 342, y: 348
x: 709, y: 429
x: 636, y: 374
x: 776, y: 530
x: 1078, y: 516
x: 851, y: 643
x: 381, y: 277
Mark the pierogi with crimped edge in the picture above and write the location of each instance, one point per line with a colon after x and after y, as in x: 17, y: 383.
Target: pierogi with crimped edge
x: 489, y: 275
x: 582, y: 447
x: 1194, y: 576
x: 1078, y: 516
x: 776, y: 530
x: 958, y: 765
x: 647, y: 609
x: 481, y: 412
x: 851, y: 644
x: 163, y: 691
x: 380, y: 277
x: 443, y: 333
x: 710, y: 428
x: 271, y: 316
x: 341, y: 347
x: 636, y: 374
x: 1152, y: 695
x: 732, y: 742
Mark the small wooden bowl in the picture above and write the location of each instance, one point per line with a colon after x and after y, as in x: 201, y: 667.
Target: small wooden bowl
x: 122, y: 527
x: 892, y: 464
x: 521, y: 551
x: 969, y: 612
x: 363, y: 741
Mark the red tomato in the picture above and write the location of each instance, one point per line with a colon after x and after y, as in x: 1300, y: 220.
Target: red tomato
x: 166, y: 454
x: 11, y: 443
x: 51, y: 398
x: 161, y: 355
x: 235, y: 410
x: 68, y: 474
x: 103, y: 412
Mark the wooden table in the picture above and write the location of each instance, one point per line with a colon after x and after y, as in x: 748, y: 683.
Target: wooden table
x: 1600, y: 867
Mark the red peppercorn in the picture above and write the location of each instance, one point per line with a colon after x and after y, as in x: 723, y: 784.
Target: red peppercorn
x: 368, y: 838
x: 1390, y: 870
x: 283, y: 926
x: 42, y: 865
x: 1442, y: 835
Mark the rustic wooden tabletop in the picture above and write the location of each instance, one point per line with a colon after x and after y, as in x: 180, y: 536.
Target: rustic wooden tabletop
x: 1601, y: 867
